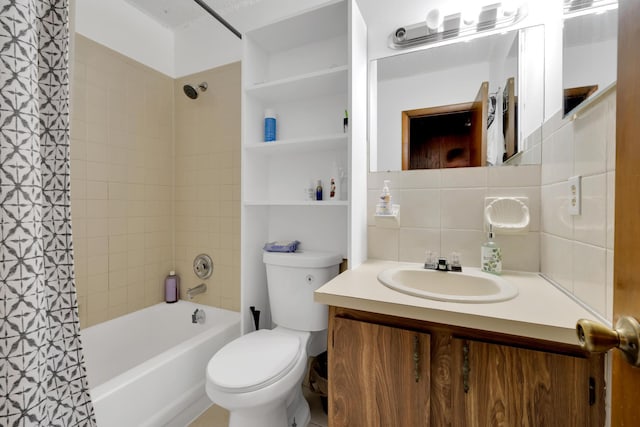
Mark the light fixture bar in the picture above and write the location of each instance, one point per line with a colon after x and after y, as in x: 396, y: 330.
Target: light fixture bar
x: 490, y: 18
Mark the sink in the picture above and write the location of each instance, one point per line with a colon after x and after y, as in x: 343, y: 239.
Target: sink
x: 469, y: 286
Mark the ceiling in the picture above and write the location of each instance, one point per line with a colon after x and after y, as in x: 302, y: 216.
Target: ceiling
x: 175, y: 14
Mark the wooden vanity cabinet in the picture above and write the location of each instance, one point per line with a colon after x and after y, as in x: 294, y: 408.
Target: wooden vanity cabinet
x: 390, y: 371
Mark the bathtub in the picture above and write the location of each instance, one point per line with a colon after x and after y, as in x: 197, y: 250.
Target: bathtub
x: 148, y: 368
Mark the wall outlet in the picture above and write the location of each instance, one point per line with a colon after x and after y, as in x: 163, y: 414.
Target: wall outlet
x: 574, y: 184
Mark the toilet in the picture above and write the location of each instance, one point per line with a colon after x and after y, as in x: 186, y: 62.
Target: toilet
x: 258, y: 377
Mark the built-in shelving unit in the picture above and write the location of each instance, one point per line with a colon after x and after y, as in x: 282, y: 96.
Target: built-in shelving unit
x: 299, y: 67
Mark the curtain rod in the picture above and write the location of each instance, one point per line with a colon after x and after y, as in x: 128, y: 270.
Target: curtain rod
x: 213, y: 13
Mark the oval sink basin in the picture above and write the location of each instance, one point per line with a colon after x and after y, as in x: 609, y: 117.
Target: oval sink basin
x: 471, y: 286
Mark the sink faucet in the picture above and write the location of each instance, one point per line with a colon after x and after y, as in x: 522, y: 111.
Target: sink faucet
x: 201, y: 288
x: 441, y: 264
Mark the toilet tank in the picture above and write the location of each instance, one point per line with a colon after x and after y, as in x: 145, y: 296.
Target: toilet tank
x: 291, y: 280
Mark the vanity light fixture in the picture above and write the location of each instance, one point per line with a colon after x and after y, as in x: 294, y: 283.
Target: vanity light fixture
x: 471, y: 20
x: 575, y: 8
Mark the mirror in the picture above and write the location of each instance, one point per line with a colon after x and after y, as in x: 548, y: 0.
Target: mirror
x: 589, y: 55
x: 477, y: 102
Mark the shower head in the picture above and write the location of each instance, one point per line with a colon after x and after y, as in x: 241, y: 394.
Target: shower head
x: 192, y: 91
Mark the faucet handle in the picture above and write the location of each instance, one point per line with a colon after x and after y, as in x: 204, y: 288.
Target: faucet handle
x: 455, y: 264
x: 431, y: 260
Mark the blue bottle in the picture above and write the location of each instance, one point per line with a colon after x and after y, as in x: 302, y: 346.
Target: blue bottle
x: 269, y: 125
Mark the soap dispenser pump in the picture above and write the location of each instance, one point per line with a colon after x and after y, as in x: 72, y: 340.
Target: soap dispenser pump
x: 491, y: 255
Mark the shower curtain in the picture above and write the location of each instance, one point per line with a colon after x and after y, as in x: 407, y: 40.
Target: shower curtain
x: 42, y: 374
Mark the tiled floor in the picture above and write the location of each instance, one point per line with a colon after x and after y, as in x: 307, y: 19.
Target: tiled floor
x: 216, y: 416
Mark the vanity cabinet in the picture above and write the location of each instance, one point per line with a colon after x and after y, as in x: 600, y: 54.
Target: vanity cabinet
x: 390, y: 371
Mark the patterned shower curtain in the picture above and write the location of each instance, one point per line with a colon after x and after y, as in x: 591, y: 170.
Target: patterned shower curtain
x: 42, y: 374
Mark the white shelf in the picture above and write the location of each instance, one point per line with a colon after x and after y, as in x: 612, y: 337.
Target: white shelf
x: 303, y: 29
x: 318, y: 83
x: 295, y: 145
x: 324, y: 203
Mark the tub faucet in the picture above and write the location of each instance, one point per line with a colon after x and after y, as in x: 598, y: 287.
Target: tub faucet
x: 198, y: 316
x: 201, y: 288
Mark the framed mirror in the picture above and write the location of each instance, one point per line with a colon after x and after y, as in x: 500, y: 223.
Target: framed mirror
x: 477, y: 102
x: 589, y: 53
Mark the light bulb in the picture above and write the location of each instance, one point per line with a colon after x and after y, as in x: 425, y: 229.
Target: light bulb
x: 470, y: 13
x: 434, y: 19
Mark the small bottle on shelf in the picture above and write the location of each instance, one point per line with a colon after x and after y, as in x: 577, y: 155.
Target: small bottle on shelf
x: 319, y: 190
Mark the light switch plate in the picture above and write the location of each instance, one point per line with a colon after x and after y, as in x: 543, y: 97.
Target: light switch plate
x: 574, y: 185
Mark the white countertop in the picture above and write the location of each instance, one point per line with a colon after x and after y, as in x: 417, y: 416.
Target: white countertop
x: 539, y: 311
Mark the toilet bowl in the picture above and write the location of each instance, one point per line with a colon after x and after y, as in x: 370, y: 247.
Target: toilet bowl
x: 258, y: 377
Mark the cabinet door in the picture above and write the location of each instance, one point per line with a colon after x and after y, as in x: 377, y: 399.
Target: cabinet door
x: 498, y: 385
x: 378, y: 375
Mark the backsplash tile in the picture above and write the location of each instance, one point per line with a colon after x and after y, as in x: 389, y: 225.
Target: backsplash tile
x: 450, y: 217
x: 577, y: 251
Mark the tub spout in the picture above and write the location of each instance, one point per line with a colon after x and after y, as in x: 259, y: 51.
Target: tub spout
x: 201, y: 288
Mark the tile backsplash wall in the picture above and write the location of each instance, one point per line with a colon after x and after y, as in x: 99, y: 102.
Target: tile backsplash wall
x: 207, y: 156
x: 442, y: 211
x: 577, y: 251
x: 121, y: 181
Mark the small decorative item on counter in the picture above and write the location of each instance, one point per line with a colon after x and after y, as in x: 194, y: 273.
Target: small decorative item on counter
x: 491, y: 255
x: 319, y: 190
x: 282, y: 246
x: 345, y: 122
x: 384, y: 206
x: 269, y: 125
x: 171, y: 287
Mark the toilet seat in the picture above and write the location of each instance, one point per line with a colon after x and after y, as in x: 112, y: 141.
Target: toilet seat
x: 253, y: 361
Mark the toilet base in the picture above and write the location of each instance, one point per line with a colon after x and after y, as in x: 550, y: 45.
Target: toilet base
x: 283, y: 415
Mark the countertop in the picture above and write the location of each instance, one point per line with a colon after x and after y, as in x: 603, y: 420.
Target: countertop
x: 540, y: 311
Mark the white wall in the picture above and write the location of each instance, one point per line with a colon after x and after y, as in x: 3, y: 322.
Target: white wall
x: 590, y: 64
x: 123, y: 28
x: 451, y: 86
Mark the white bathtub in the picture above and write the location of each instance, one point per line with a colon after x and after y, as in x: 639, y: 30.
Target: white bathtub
x: 148, y: 368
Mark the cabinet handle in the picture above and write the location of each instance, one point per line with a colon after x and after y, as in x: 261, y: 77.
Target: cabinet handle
x: 416, y: 357
x: 465, y: 367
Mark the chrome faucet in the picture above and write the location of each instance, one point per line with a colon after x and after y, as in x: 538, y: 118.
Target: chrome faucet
x: 441, y: 264
x: 201, y: 288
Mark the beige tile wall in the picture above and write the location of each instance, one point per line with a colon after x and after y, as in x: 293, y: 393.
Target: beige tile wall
x: 207, y: 185
x: 442, y: 211
x: 577, y: 251
x: 122, y: 181
x: 138, y: 197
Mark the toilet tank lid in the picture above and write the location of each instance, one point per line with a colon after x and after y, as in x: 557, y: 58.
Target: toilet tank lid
x: 304, y: 259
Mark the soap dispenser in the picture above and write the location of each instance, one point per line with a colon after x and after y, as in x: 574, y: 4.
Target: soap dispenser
x: 384, y: 205
x: 491, y: 255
